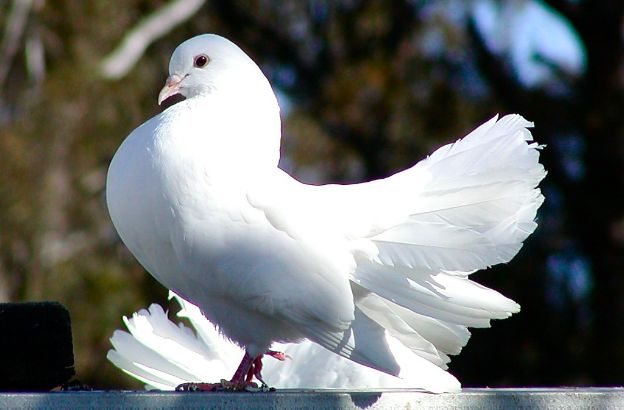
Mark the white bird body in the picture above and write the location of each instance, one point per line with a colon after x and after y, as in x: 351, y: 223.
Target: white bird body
x: 196, y: 195
x: 184, y: 209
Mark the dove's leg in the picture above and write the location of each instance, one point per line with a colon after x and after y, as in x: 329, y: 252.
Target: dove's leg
x: 238, y: 382
x: 252, y: 367
x: 241, y: 376
x: 256, y: 370
x: 248, y: 368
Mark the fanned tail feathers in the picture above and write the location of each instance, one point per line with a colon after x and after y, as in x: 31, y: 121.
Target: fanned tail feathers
x: 163, y: 355
x: 476, y: 201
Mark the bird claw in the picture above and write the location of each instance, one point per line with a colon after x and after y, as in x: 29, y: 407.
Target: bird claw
x: 254, y: 388
x: 224, y: 386
x: 249, y: 368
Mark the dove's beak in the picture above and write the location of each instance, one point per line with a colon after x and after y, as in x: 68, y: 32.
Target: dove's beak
x: 172, y: 87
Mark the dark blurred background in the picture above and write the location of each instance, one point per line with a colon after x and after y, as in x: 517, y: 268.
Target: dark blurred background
x: 367, y: 88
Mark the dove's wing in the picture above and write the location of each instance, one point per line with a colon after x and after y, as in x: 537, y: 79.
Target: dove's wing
x: 417, y: 235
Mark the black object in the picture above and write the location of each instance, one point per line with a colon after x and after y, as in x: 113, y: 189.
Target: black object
x: 36, y: 350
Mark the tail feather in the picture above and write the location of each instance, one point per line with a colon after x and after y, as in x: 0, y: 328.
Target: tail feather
x: 380, y: 311
x: 160, y: 353
x: 310, y: 366
x: 363, y: 342
x: 143, y: 363
x: 446, y: 337
x: 148, y: 375
x: 448, y: 297
x: 474, y: 204
x: 477, y: 207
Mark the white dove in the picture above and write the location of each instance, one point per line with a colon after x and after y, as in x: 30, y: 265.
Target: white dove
x: 196, y: 194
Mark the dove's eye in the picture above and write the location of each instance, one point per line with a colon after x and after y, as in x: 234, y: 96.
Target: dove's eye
x: 201, y: 60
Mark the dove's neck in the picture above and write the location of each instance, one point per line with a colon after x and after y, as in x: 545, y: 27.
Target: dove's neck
x: 227, y: 131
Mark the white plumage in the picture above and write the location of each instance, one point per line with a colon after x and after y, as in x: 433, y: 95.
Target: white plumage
x: 196, y: 195
x: 164, y: 355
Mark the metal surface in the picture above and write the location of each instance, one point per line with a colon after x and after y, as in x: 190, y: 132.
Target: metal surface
x: 565, y: 398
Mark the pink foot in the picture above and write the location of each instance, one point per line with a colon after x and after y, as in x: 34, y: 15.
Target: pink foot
x: 281, y: 356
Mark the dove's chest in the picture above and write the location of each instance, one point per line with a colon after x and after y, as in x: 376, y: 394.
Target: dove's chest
x: 180, y: 200
x: 166, y: 190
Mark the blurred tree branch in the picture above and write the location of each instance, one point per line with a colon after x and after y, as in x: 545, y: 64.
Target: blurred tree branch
x: 15, y: 27
x: 121, y: 60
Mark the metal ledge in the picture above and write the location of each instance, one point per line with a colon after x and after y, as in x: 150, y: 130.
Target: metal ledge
x: 534, y: 398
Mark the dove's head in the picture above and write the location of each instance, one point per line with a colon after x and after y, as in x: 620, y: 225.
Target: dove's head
x: 209, y: 62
